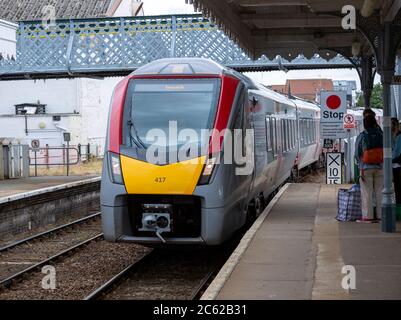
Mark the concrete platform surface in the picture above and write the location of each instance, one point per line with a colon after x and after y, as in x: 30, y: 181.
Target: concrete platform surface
x: 297, y: 250
x: 18, y: 187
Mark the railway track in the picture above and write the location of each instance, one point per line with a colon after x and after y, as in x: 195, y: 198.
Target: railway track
x: 21, y: 257
x: 163, y: 274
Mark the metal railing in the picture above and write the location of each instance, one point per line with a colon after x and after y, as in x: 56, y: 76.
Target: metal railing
x: 54, y: 156
x: 117, y: 46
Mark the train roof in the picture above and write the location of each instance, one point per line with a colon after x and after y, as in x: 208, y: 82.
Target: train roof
x: 202, y: 66
x: 169, y: 66
x: 304, y: 104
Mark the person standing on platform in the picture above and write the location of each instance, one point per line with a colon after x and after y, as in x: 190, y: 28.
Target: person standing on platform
x: 396, y: 140
x: 366, y: 112
x: 369, y: 156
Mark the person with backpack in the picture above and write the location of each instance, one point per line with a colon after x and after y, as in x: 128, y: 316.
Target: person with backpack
x: 369, y: 156
x: 396, y: 143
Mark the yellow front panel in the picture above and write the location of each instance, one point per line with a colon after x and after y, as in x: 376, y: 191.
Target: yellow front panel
x: 145, y: 178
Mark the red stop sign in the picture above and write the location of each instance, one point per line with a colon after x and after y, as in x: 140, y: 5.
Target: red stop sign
x: 333, y: 102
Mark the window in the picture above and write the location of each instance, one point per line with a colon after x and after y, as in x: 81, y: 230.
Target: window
x: 153, y: 104
x: 301, y: 131
x: 294, y: 125
x: 269, y: 143
x: 283, y: 134
x: 30, y: 108
x: 313, y: 131
x: 292, y: 134
x: 273, y: 132
x: 288, y: 135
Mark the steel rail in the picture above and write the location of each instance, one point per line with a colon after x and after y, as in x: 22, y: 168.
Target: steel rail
x: 104, y: 288
x: 8, y: 281
x: 203, y: 284
x: 48, y: 232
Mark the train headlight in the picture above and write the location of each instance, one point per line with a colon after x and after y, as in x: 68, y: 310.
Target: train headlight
x: 208, y: 170
x: 115, y: 168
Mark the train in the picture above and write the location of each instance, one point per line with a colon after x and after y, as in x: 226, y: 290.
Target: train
x: 151, y: 196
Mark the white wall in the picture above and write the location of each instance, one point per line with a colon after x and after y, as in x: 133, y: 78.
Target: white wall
x: 8, y: 38
x: 95, y: 100
x: 60, y: 96
x: 91, y: 98
x: 82, y: 103
x: 39, y: 127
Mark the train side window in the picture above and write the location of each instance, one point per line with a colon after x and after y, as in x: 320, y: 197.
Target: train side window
x: 301, y: 137
x: 292, y: 134
x: 287, y: 135
x: 313, y: 131
x: 273, y: 135
x: 301, y: 131
x: 269, y: 143
x: 306, y: 132
x: 283, y: 134
x: 294, y: 123
x: 288, y: 131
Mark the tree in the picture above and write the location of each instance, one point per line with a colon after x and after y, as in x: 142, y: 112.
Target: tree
x: 376, y: 100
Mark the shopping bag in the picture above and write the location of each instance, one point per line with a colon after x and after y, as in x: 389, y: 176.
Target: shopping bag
x: 349, y: 204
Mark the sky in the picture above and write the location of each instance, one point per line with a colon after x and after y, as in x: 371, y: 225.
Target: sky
x: 160, y: 7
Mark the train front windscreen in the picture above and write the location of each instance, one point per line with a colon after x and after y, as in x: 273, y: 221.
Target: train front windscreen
x: 170, y: 106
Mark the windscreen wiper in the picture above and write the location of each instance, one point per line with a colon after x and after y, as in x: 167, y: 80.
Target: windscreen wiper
x: 138, y: 141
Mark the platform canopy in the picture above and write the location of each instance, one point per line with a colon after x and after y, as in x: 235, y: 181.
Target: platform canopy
x: 292, y: 27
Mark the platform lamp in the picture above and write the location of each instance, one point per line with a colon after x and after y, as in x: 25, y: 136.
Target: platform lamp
x: 356, y: 48
x: 368, y: 7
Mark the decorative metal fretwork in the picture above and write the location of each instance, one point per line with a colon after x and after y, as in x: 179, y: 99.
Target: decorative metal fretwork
x: 117, y: 46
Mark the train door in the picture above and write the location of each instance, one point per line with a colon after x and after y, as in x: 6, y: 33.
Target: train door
x: 240, y: 179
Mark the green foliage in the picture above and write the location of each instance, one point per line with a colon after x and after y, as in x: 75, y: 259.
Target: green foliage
x: 376, y: 101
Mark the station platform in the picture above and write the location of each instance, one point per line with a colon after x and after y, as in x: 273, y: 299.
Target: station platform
x: 297, y: 250
x: 14, y: 189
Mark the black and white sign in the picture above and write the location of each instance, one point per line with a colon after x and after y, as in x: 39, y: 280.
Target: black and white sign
x: 35, y: 144
x: 67, y: 136
x: 328, y: 143
x: 333, y: 168
x: 333, y: 110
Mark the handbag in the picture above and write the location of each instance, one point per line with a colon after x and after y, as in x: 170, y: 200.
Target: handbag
x: 349, y: 204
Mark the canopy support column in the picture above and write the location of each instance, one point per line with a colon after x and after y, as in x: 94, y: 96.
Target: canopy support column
x: 387, y: 66
x: 367, y: 75
x: 384, y: 38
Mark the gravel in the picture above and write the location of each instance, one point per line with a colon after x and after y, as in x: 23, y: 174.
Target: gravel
x: 6, y: 240
x: 79, y: 274
x: 27, y: 254
x: 170, y: 275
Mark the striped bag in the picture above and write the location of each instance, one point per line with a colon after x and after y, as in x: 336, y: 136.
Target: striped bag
x: 349, y: 204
